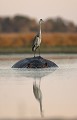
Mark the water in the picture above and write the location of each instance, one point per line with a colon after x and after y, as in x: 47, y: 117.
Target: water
x: 57, y: 88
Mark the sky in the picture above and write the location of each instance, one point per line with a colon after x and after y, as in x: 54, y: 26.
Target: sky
x: 37, y: 9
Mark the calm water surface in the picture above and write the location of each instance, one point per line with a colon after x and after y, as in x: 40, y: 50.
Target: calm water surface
x: 58, y: 88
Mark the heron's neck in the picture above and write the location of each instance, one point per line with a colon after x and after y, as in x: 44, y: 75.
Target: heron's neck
x: 40, y: 30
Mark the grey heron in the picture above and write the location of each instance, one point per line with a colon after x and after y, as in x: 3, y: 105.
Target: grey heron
x: 37, y: 39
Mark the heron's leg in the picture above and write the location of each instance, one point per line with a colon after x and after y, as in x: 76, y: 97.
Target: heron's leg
x: 34, y: 81
x: 39, y: 50
x: 39, y: 82
x: 34, y: 53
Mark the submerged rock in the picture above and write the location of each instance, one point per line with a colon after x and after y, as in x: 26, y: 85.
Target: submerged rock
x: 34, y: 62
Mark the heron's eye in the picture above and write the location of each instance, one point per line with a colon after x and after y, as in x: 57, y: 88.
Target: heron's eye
x: 40, y: 19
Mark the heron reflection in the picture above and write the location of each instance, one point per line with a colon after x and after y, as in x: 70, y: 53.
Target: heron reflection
x: 37, y: 75
x: 38, y: 94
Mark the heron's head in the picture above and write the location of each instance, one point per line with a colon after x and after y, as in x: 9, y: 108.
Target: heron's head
x: 41, y: 21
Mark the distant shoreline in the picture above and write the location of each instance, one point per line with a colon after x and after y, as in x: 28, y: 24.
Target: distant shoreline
x: 48, y: 50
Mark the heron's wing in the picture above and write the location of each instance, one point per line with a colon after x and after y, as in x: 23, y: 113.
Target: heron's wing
x: 35, y: 40
x: 35, y: 44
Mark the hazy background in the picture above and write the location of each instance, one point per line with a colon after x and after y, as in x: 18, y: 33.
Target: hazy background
x: 40, y: 8
x: 20, y: 18
x: 18, y: 27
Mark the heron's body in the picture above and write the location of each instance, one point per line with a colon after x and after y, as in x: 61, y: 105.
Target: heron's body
x: 37, y: 39
x: 36, y: 43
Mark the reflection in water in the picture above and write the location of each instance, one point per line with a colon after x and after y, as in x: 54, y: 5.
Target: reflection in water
x: 15, y: 74
x: 38, y: 74
x: 25, y: 72
x: 38, y: 94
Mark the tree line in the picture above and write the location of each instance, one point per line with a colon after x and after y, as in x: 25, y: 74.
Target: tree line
x: 21, y: 23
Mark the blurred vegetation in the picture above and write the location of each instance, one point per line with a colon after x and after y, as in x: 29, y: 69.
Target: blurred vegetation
x: 17, y: 33
x: 25, y: 24
x: 22, y: 42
